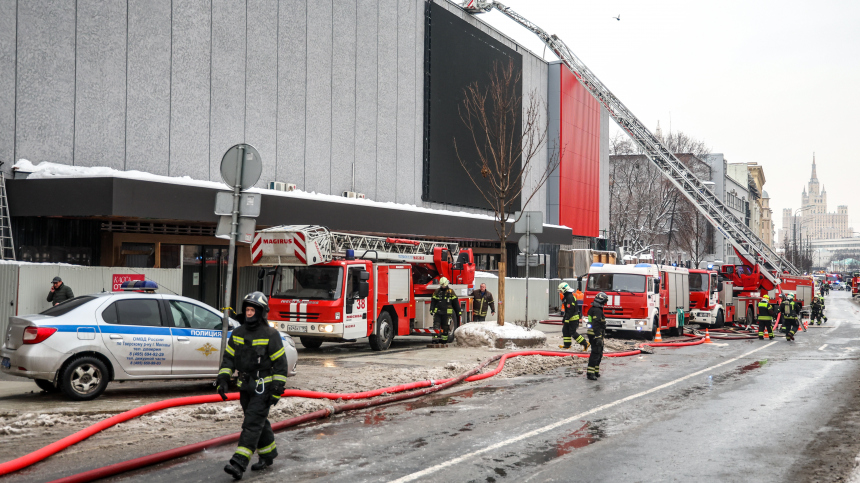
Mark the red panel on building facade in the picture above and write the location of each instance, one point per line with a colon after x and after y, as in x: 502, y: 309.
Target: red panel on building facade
x: 579, y: 170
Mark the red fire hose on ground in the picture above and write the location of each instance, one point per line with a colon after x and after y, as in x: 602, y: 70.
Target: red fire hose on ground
x: 431, y: 385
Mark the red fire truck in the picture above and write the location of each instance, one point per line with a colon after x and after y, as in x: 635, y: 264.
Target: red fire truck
x: 707, y: 298
x: 855, y: 284
x: 641, y: 297
x: 337, y: 287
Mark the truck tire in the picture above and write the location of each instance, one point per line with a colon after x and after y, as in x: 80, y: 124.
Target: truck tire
x: 720, y: 320
x: 381, y: 340
x: 311, y: 343
x: 46, y: 385
x: 653, y: 333
x: 84, y: 379
x: 750, y: 316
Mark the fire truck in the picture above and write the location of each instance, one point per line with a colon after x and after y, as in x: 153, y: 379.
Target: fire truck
x: 642, y: 297
x: 708, y: 296
x: 337, y: 287
x: 855, y: 284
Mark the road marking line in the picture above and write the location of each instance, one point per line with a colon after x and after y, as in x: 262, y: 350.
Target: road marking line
x: 822, y: 347
x: 535, y: 432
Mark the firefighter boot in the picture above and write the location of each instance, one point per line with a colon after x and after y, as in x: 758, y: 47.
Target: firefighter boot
x: 597, y: 371
x: 583, y: 342
x: 761, y: 335
x: 566, y: 345
x: 234, y: 470
x: 262, y: 464
x: 592, y: 373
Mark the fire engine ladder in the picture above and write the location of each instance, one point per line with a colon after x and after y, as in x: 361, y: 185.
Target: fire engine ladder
x: 7, y: 247
x: 741, y: 236
x: 382, y: 248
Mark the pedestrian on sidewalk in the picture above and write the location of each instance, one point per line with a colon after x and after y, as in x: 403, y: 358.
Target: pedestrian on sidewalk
x: 481, y: 301
x: 596, y: 331
x: 60, y: 292
x: 254, y: 350
x: 571, y: 312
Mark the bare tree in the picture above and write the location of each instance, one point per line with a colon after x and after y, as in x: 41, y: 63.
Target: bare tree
x: 507, y: 158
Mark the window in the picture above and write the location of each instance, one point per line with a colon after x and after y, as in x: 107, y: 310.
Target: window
x: 193, y: 316
x: 698, y: 283
x: 616, y: 282
x: 133, y: 312
x: 317, y: 283
x: 67, y: 306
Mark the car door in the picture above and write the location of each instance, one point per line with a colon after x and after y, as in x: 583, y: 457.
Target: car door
x: 133, y: 330
x: 196, y: 334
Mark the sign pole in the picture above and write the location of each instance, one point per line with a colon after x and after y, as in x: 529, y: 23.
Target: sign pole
x: 528, y: 267
x: 228, y: 286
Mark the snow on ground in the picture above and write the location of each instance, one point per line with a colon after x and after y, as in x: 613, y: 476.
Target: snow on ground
x: 489, y: 334
x: 48, y: 170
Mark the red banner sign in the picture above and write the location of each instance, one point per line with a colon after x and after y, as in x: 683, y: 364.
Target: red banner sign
x: 119, y: 278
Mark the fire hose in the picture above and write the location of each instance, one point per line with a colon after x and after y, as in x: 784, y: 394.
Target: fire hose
x: 428, y: 386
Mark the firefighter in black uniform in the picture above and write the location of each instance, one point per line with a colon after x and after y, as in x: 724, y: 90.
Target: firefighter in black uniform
x: 444, y: 306
x: 596, y: 330
x: 817, y: 310
x: 790, y: 310
x: 766, y: 314
x: 255, y: 350
x: 570, y: 318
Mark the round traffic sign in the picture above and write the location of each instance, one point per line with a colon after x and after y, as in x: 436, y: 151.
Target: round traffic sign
x: 528, y: 244
x: 242, y: 161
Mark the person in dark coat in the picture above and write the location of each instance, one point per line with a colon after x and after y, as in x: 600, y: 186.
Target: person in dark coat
x: 60, y: 292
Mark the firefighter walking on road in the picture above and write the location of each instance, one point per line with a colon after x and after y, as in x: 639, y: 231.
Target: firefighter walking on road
x: 790, y: 311
x: 818, y: 310
x: 444, y: 306
x: 482, y: 300
x: 596, y: 331
x: 570, y: 318
x: 766, y: 314
x: 255, y: 350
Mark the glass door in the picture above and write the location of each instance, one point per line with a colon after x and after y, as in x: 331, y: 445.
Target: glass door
x: 204, y: 274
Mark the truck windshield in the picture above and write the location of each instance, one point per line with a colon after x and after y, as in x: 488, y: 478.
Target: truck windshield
x: 616, y: 282
x: 698, y: 282
x: 313, y: 283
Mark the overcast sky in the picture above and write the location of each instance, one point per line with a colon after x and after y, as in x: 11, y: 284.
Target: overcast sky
x: 760, y: 81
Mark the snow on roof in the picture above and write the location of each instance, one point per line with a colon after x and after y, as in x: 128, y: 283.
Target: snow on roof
x: 48, y: 170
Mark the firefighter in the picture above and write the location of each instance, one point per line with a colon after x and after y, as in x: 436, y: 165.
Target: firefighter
x: 444, y: 306
x: 790, y: 311
x: 570, y: 318
x: 596, y: 330
x: 255, y: 350
x: 481, y: 301
x: 817, y: 310
x: 765, y: 316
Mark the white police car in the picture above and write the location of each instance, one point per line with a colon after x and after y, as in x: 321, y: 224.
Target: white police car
x: 84, y: 343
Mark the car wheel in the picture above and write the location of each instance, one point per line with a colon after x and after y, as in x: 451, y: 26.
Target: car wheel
x: 720, y: 321
x: 381, y: 340
x: 46, y: 385
x: 311, y: 342
x: 84, y: 379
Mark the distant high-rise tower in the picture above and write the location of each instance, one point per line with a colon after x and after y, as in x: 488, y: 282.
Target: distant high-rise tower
x: 814, y: 222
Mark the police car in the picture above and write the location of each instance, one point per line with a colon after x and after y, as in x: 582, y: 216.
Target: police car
x: 84, y: 343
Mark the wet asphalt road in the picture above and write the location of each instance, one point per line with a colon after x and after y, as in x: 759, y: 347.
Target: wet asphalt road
x: 787, y: 412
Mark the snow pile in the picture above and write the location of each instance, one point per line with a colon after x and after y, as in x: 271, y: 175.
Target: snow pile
x: 483, y: 334
x: 48, y: 170
x: 485, y: 275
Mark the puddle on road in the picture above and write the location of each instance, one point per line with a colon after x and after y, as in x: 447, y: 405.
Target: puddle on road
x: 448, y: 399
x: 590, y: 432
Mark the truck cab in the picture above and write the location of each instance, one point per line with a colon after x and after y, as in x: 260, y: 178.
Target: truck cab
x: 706, y: 306
x: 642, y: 297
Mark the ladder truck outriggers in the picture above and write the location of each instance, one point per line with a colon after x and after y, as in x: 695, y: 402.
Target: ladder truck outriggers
x: 764, y: 265
x: 337, y: 287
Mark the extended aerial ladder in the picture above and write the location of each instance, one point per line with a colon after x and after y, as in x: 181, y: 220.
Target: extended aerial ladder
x: 312, y: 245
x: 747, y: 245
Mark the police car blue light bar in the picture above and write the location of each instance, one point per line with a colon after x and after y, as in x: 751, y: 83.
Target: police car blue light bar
x: 135, y: 285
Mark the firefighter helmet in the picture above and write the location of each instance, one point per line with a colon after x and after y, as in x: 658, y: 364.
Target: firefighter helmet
x: 258, y: 301
x: 564, y: 287
x: 601, y: 298
x: 791, y: 296
x: 443, y: 282
x: 765, y: 297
